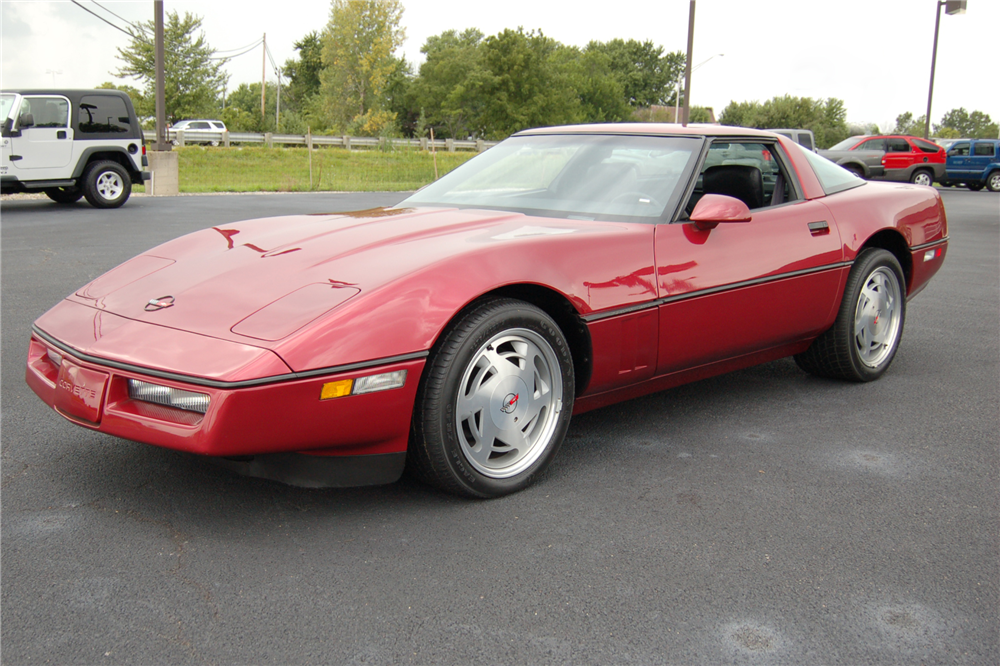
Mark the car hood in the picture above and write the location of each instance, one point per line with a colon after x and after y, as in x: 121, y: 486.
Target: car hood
x: 262, y: 280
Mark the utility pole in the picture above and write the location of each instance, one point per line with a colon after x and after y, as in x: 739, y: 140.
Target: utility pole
x: 263, y: 81
x: 277, y: 110
x: 686, y: 109
x: 161, y: 105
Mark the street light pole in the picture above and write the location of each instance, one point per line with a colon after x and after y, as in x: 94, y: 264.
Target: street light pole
x: 952, y: 7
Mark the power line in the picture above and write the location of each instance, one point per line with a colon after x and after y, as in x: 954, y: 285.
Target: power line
x: 236, y: 55
x: 137, y: 27
x: 248, y: 46
x: 276, y: 68
x: 102, y: 18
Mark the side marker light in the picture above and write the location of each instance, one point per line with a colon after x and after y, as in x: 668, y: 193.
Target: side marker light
x: 370, y: 384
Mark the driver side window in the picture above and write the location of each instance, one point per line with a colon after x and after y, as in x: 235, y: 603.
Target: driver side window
x: 752, y: 172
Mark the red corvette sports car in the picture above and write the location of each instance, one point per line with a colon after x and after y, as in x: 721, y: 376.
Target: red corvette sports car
x: 456, y: 333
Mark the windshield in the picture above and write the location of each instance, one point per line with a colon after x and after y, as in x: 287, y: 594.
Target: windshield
x: 846, y: 144
x: 583, y: 176
x: 6, y: 103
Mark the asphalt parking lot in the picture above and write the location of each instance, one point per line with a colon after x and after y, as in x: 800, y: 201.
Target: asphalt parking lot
x: 763, y: 517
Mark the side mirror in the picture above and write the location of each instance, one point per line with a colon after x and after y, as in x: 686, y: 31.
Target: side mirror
x: 713, y: 209
x: 7, y: 124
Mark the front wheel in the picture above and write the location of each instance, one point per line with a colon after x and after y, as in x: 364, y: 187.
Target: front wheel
x: 975, y: 187
x: 856, y: 170
x: 922, y: 177
x: 106, y: 184
x: 64, y: 195
x: 993, y: 181
x: 495, y: 401
x: 865, y: 336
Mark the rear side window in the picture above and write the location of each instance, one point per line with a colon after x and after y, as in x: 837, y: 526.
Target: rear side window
x: 927, y: 146
x: 985, y: 149
x: 833, y: 177
x: 103, y: 114
x: 807, y: 141
x: 898, y: 146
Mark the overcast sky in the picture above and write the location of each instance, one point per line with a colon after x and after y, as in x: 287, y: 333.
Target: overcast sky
x: 875, y: 55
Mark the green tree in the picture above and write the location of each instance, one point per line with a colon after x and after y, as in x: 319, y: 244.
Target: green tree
x: 358, y: 61
x: 242, y: 113
x: 193, y: 78
x: 647, y: 75
x: 905, y: 124
x: 961, y: 123
x: 826, y: 118
x: 447, y: 86
x: 301, y: 75
x: 601, y: 92
x: 524, y: 84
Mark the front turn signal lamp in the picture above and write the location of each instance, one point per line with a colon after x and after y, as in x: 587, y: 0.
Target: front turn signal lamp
x: 369, y: 384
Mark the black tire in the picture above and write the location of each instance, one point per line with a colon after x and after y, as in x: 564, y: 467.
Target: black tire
x: 64, y: 195
x: 855, y: 169
x: 922, y: 177
x: 486, y: 360
x: 993, y: 181
x: 975, y: 187
x: 106, y: 184
x: 875, y: 291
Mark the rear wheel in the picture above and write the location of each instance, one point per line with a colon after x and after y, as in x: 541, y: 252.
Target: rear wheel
x: 993, y: 181
x: 106, y: 184
x: 922, y: 177
x: 495, y: 401
x: 866, y: 334
x: 975, y: 187
x: 64, y: 195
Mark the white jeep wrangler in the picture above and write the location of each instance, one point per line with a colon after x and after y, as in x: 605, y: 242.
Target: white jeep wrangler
x: 71, y: 144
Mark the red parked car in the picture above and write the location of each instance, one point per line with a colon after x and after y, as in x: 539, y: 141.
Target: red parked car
x: 898, y: 158
x: 563, y: 270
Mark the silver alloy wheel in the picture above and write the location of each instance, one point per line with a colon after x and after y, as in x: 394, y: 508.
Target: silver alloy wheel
x: 922, y: 178
x: 877, y: 317
x: 508, y: 403
x: 109, y: 185
x: 993, y: 183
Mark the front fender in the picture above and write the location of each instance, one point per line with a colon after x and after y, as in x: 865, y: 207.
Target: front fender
x: 595, y: 267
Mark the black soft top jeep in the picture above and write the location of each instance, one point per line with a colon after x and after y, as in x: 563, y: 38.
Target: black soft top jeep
x: 71, y: 144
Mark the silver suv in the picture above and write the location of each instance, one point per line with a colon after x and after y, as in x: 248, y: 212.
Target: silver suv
x: 71, y: 144
x: 198, y: 131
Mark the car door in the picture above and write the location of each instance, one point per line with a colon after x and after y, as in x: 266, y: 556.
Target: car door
x: 746, y: 287
x: 959, y: 165
x: 898, y: 154
x: 874, y: 152
x: 982, y: 154
x: 44, y: 145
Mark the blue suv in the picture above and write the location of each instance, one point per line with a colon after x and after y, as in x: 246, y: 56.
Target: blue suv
x: 974, y: 162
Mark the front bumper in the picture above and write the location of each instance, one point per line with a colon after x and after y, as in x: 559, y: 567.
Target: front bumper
x: 246, y: 420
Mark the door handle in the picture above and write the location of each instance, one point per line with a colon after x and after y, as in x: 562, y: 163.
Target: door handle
x: 819, y: 228
x: 61, y: 134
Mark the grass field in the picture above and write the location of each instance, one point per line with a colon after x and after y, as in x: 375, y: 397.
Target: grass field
x: 262, y: 169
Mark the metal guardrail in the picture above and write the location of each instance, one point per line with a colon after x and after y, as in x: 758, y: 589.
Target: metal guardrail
x: 181, y: 138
